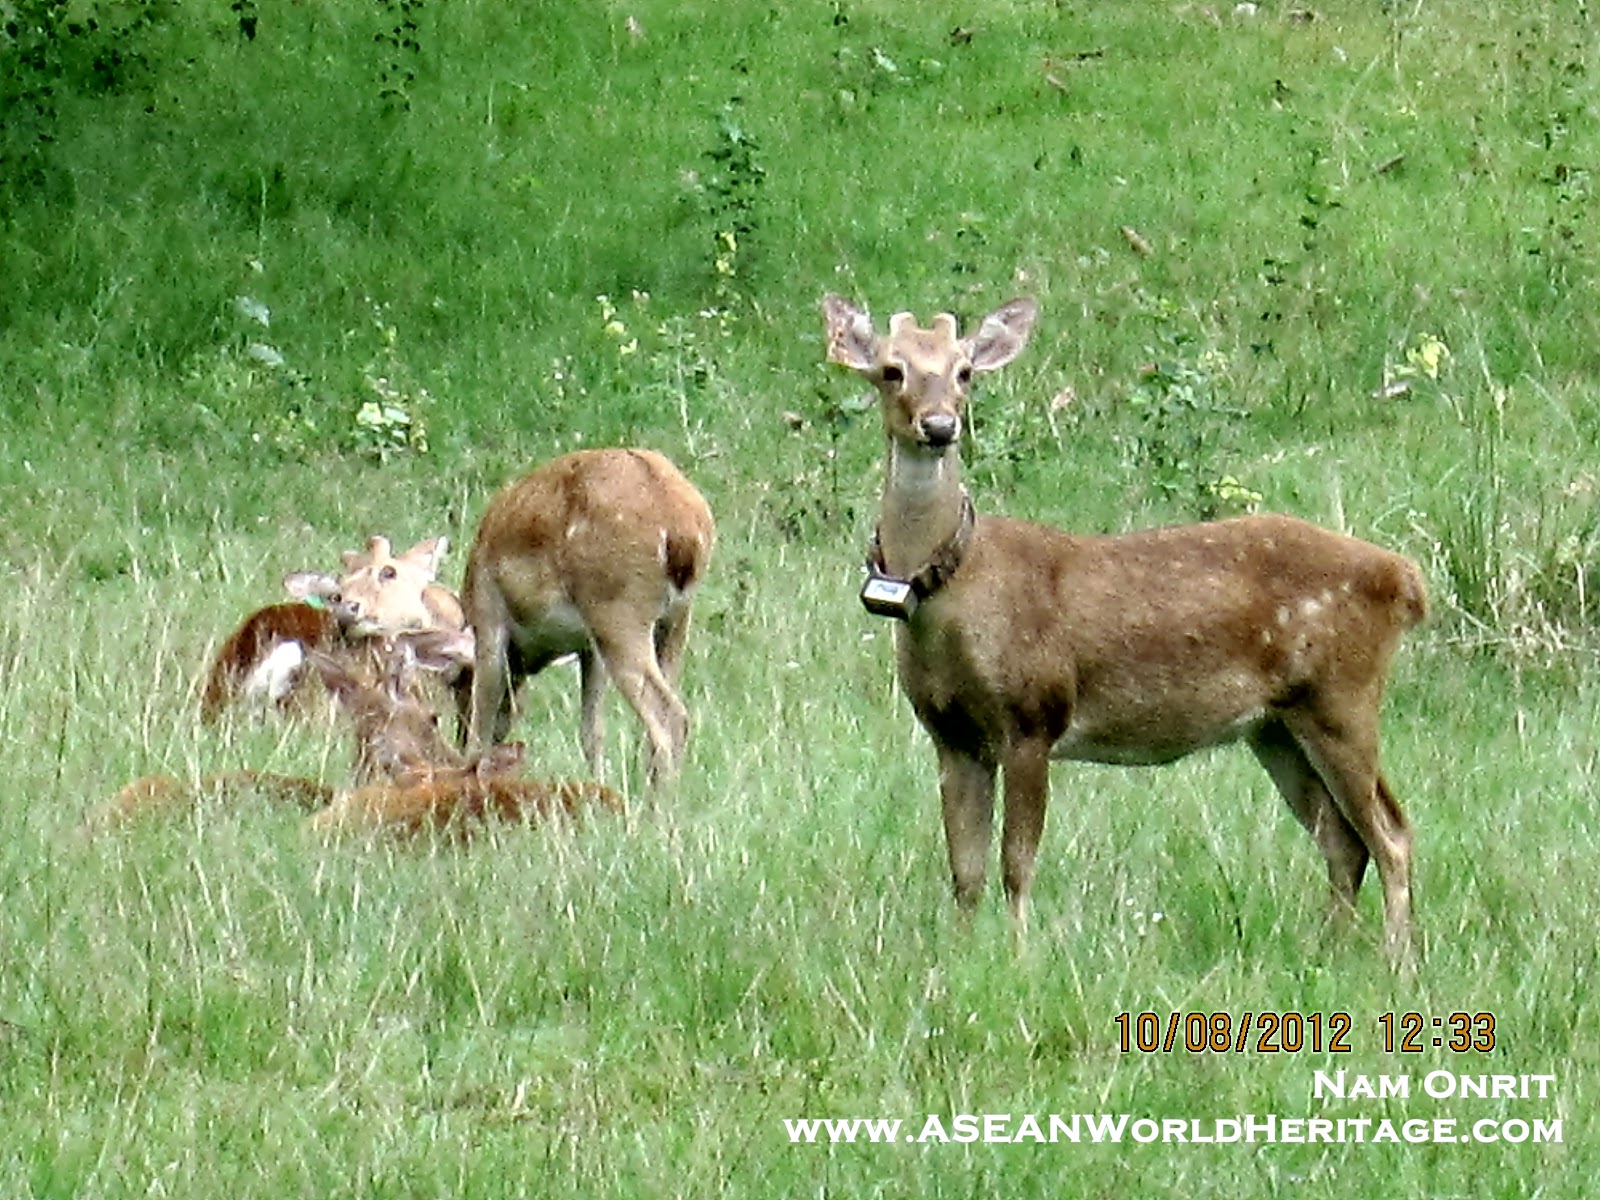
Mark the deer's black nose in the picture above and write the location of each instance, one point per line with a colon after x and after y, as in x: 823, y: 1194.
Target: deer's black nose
x: 940, y: 428
x: 345, y: 611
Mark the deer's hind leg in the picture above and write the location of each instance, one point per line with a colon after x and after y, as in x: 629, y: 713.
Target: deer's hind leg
x: 1344, y: 755
x: 1307, y: 796
x: 672, y: 635
x: 628, y: 652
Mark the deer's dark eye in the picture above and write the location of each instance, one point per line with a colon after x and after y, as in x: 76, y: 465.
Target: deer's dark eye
x: 892, y: 374
x: 964, y: 376
x: 386, y: 574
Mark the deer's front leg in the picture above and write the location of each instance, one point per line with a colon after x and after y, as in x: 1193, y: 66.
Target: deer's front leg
x: 592, y: 717
x: 490, y: 707
x: 1027, y: 788
x: 966, y: 792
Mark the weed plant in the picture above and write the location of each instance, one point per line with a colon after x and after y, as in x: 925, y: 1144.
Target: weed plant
x: 275, y: 277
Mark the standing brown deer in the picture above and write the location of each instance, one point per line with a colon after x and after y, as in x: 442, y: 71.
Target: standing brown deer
x: 597, y: 553
x: 380, y: 594
x: 1018, y: 643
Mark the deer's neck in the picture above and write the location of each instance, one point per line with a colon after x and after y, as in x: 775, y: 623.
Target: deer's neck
x: 922, y: 508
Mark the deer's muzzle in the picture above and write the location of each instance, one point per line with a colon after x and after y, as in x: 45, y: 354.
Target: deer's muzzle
x: 939, y: 428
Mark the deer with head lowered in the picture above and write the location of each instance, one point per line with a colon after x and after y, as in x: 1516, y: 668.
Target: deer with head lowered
x: 596, y: 553
x: 1018, y: 643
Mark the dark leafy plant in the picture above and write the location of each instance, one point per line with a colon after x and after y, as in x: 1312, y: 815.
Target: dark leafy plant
x: 52, y: 52
x: 248, y: 16
x: 402, y: 53
x: 733, y: 188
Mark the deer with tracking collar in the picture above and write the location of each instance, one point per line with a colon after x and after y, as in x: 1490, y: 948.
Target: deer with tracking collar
x: 1017, y: 643
x: 597, y: 553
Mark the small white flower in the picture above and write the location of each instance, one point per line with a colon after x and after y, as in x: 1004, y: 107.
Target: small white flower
x: 264, y: 354
x: 252, y: 309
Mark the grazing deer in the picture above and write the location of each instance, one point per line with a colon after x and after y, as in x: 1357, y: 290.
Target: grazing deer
x: 1018, y: 643
x: 430, y: 784
x: 380, y: 594
x: 596, y: 553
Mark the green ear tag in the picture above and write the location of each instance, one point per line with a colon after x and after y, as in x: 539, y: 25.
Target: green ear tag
x: 315, y: 602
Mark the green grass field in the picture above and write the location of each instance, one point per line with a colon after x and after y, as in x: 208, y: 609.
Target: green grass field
x: 273, y: 278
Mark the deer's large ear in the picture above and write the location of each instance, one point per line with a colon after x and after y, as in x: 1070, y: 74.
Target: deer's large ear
x: 444, y: 650
x: 310, y: 585
x: 1002, y: 334
x: 444, y: 607
x: 426, y: 555
x: 377, y: 551
x: 851, y: 339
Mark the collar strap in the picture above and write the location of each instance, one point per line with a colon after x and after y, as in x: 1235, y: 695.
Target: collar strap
x: 946, y: 560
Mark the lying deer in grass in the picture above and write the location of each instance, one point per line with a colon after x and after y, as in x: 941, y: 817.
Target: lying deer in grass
x: 414, y: 780
x: 430, y: 784
x: 167, y: 796
x: 383, y: 694
x: 596, y: 553
x: 454, y: 799
x: 1018, y: 643
x: 355, y: 673
x: 381, y: 594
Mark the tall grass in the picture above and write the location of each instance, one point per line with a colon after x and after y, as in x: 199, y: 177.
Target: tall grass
x: 1368, y: 298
